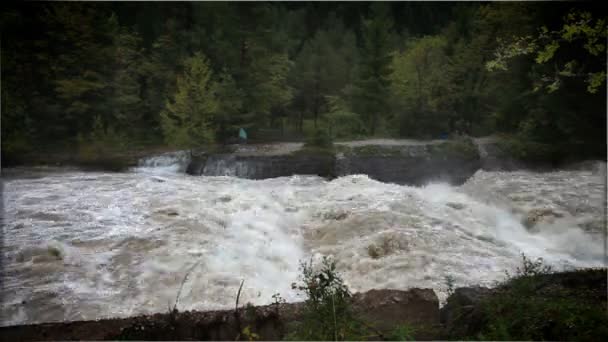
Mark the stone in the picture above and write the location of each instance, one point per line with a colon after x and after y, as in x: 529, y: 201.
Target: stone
x: 457, y: 206
x: 544, y: 215
x: 459, y: 315
x: 407, y: 164
x: 386, y: 310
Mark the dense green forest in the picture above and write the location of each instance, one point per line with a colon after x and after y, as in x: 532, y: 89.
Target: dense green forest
x: 96, y: 76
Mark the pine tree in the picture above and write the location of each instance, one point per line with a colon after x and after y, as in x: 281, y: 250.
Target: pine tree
x: 126, y: 102
x: 187, y: 119
x: 372, y: 86
x: 230, y: 115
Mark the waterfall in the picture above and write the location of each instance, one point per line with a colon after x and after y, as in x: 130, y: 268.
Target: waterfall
x: 226, y: 165
x: 172, y: 162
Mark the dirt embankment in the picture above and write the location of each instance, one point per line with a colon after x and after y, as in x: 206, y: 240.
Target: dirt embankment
x: 537, y: 306
x: 382, y: 309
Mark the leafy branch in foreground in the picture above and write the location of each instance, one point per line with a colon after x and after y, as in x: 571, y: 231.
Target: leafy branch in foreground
x: 539, y: 304
x: 579, y: 27
x: 328, y: 314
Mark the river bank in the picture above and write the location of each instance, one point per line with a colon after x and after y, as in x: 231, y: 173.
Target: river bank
x: 401, y: 161
x: 76, y: 240
x: 534, y: 306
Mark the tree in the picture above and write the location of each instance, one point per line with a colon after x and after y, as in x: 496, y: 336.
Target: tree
x: 564, y: 99
x: 480, y: 98
x: 160, y: 67
x: 419, y: 83
x: 372, y: 86
x: 187, y: 119
x: 126, y: 102
x: 80, y: 53
x: 230, y: 115
x: 580, y: 30
x: 323, y: 68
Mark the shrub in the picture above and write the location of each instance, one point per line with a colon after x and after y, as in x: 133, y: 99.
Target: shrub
x: 402, y: 333
x: 537, y: 304
x: 102, y: 148
x: 459, y: 148
x: 327, y: 310
x: 319, y: 139
x: 527, y: 150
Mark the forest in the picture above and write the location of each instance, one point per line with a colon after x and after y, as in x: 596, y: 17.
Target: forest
x: 98, y: 77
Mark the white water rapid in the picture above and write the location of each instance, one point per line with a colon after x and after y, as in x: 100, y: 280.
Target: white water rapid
x: 86, y: 245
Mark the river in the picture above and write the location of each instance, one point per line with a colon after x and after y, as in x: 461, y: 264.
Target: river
x: 88, y: 245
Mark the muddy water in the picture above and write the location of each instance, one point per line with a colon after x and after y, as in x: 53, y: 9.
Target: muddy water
x: 84, y: 245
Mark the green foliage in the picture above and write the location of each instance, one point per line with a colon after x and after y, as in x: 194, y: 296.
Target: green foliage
x: 249, y: 335
x: 532, y: 305
x: 579, y: 28
x: 319, y: 139
x: 527, y: 150
x: 322, y: 71
x: 327, y: 311
x: 187, y: 119
x: 375, y: 150
x: 352, y: 70
x: 449, y: 284
x: 403, y: 332
x: 372, y: 85
x: 342, y: 122
x: 16, y: 127
x: 459, y: 148
x: 102, y: 147
x: 230, y: 116
x: 419, y: 87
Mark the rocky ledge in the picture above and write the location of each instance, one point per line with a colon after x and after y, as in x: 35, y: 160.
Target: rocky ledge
x: 395, y: 161
x: 531, y: 305
x: 382, y: 309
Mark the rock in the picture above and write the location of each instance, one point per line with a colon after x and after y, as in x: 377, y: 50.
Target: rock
x: 414, y: 164
x: 39, y: 254
x: 594, y: 226
x: 385, y: 310
x: 267, y: 166
x: 374, y: 251
x: 457, y: 206
x: 387, y: 244
x: 335, y: 215
x: 466, y: 313
x: 459, y: 315
x: 225, y: 199
x: 536, y: 216
x: 168, y: 212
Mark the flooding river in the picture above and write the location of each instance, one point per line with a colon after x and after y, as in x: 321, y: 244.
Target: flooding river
x: 86, y: 245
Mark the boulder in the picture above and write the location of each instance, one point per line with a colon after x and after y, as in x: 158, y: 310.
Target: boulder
x: 386, y: 310
x: 459, y: 315
x: 536, y: 216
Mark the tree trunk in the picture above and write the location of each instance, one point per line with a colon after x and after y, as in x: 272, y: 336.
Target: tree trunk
x: 373, y: 124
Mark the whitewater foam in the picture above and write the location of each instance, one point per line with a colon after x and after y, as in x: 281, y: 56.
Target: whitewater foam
x: 129, y: 238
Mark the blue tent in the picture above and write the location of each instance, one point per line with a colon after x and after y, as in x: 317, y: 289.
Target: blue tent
x: 242, y: 134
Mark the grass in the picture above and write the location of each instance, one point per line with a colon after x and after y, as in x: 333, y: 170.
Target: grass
x: 459, y: 148
x: 328, y: 314
x: 537, y: 304
x: 404, y: 332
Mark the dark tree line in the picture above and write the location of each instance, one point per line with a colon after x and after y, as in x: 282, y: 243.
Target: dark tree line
x: 193, y: 73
